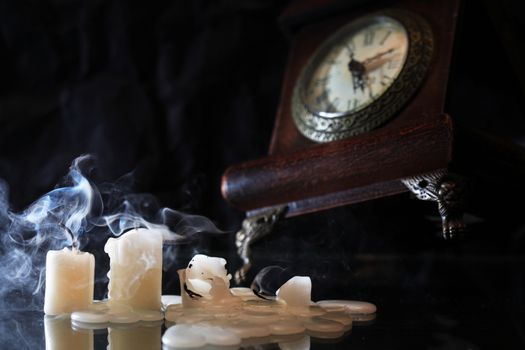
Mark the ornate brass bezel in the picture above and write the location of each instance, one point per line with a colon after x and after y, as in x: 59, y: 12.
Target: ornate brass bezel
x: 326, y: 129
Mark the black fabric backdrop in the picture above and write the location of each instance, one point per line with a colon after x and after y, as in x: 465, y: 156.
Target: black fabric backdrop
x: 174, y: 91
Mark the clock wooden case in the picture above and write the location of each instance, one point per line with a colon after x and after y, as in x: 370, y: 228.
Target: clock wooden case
x: 415, y: 138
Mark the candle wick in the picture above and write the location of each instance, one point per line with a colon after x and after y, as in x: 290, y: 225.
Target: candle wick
x: 74, y: 242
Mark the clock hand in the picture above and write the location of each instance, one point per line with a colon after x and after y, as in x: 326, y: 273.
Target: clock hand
x: 374, y: 63
x: 378, y: 56
x: 358, y: 71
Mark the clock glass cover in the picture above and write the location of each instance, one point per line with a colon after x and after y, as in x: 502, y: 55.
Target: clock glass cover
x: 343, y: 89
x: 357, y: 68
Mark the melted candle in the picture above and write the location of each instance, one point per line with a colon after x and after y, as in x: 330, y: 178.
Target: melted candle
x: 211, y: 313
x: 135, y: 282
x: 135, y: 270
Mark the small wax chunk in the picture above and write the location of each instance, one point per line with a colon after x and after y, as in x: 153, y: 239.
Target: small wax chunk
x: 261, y: 313
x: 192, y: 319
x: 351, y: 306
x: 135, y: 275
x: 69, y: 281
x: 201, y: 271
x: 296, y: 291
x: 286, y: 327
x: 206, y: 281
x: 90, y: 316
x: 243, y: 292
x: 124, y: 317
x: 360, y: 319
x: 307, y: 311
x: 318, y: 324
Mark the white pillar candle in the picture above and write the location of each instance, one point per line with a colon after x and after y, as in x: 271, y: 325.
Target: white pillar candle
x: 60, y: 335
x: 69, y: 281
x: 135, y: 275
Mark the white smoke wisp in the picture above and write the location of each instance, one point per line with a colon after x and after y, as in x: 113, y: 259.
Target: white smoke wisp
x: 53, y: 221
x: 176, y: 227
x: 63, y: 212
x: 63, y: 218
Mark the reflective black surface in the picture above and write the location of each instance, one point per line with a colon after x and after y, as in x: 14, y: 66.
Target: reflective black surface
x: 430, y: 294
x: 405, y: 325
x: 484, y: 315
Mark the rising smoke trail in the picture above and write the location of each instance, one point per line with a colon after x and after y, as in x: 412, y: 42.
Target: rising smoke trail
x: 64, y: 217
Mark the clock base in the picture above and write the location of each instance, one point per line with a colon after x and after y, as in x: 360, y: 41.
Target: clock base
x: 343, y: 172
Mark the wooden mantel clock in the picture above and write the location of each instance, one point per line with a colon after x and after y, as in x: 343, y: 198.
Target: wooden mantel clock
x: 361, y: 115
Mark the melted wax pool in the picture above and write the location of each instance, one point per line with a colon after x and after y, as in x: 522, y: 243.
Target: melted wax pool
x: 209, y: 313
x: 253, y: 317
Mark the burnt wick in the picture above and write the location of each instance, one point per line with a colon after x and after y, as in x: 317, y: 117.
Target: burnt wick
x: 74, y: 242
x: 191, y: 293
x: 259, y: 294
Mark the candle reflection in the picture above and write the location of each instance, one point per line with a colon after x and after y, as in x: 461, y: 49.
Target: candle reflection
x: 139, y: 337
x: 60, y: 335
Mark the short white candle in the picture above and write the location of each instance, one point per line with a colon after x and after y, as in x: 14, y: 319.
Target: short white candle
x: 135, y: 275
x: 69, y: 281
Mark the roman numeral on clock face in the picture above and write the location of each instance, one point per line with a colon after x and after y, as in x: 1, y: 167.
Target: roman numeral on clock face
x: 383, y: 40
x: 369, y: 37
x: 352, y: 104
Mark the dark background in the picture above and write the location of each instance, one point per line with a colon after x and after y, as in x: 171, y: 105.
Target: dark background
x: 177, y: 91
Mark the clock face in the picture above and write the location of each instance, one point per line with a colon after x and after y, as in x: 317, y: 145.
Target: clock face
x: 361, y: 75
x: 357, y: 68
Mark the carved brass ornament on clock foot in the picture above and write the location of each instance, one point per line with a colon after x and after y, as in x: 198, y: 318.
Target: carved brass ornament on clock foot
x: 253, y: 229
x: 448, y: 190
